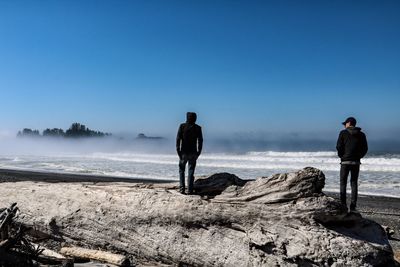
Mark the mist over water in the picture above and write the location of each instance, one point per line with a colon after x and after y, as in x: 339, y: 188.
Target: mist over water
x: 249, y: 159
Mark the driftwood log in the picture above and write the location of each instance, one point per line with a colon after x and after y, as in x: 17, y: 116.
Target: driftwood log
x: 98, y: 255
x: 49, y: 253
x: 281, y: 220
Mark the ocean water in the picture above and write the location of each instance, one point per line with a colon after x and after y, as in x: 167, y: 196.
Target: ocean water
x: 380, y: 173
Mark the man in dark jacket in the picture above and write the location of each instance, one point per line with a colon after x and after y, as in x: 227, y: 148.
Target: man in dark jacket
x: 189, y: 143
x: 351, y: 146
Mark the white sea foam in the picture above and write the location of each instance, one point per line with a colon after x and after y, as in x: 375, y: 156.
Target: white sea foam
x: 294, y: 154
x: 260, y: 160
x: 380, y: 173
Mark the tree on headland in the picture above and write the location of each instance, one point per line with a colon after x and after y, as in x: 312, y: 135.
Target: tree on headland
x: 28, y: 132
x: 55, y: 132
x: 75, y: 130
x: 80, y: 130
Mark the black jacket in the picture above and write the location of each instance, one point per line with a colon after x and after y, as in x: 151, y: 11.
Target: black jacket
x: 352, y: 144
x: 189, y: 139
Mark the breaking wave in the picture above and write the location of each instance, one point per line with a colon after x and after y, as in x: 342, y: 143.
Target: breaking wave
x: 380, y: 173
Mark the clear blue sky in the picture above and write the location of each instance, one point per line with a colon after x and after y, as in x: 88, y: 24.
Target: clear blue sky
x: 283, y: 66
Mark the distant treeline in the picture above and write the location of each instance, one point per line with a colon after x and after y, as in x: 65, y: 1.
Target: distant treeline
x: 76, y: 130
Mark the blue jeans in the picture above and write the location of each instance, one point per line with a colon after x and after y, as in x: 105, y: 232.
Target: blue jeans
x: 191, y: 159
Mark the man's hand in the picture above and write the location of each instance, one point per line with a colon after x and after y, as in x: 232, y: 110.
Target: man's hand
x: 179, y: 154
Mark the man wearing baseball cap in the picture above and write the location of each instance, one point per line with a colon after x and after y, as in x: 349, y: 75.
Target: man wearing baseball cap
x: 351, y: 146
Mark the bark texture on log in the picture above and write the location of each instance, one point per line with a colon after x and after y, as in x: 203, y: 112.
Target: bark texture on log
x: 279, y: 220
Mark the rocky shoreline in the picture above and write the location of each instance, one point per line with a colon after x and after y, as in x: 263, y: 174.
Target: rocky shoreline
x: 281, y: 220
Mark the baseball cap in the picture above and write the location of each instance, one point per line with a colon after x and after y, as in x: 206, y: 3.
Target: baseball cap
x: 352, y: 121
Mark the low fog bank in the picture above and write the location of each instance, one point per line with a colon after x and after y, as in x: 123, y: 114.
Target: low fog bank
x: 295, y: 142
x: 242, y: 145
x: 235, y: 144
x: 55, y: 146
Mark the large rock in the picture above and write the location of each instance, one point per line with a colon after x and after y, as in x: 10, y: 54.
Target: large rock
x: 282, y: 220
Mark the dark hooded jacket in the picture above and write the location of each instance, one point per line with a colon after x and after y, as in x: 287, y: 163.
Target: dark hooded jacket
x: 352, y: 144
x: 189, y: 139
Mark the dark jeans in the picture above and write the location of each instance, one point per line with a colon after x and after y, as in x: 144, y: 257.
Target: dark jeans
x: 191, y: 159
x: 345, y: 169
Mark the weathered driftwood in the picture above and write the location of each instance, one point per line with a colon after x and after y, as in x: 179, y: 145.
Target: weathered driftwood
x: 397, y: 255
x: 98, y: 255
x: 6, y: 217
x: 16, y: 250
x: 48, y: 252
x: 282, y: 220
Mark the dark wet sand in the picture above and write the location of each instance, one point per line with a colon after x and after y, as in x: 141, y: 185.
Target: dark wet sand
x: 8, y: 175
x: 384, y: 210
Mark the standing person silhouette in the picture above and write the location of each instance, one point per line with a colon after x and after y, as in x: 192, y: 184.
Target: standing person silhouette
x: 351, y: 147
x: 189, y: 143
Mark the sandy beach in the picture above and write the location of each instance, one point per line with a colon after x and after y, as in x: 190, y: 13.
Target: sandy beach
x: 384, y: 210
